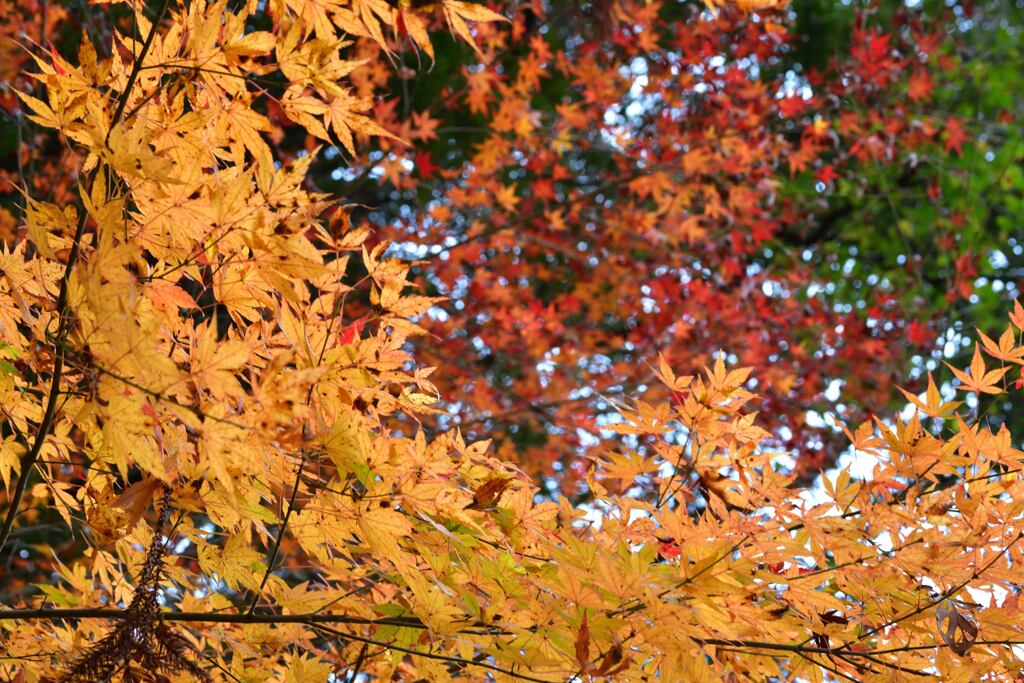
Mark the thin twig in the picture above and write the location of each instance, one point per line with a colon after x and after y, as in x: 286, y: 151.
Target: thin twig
x: 280, y: 537
x: 432, y: 655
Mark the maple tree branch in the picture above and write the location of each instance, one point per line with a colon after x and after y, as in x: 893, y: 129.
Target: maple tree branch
x: 891, y: 665
x: 360, y: 658
x: 61, y: 613
x: 539, y: 406
x: 280, y: 537
x: 901, y: 495
x: 860, y: 666
x: 317, y: 621
x: 886, y: 555
x: 750, y: 647
x: 669, y: 494
x: 828, y: 667
x: 432, y: 655
x: 28, y: 461
x: 730, y: 644
x: 485, y: 541
x: 221, y: 667
x: 122, y: 101
x: 639, y: 604
x: 155, y: 394
x: 945, y: 595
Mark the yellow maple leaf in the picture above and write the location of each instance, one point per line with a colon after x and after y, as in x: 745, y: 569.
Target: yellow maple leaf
x: 977, y: 378
x: 237, y: 564
x: 933, y: 406
x: 457, y: 13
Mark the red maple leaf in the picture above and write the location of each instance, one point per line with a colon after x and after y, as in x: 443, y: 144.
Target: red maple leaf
x: 918, y: 333
x: 351, y: 332
x: 827, y: 174
x: 954, y: 135
x: 669, y: 550
x: 544, y: 189
x: 919, y: 86
x: 425, y: 165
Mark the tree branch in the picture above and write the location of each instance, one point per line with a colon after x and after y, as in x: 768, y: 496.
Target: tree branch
x: 432, y: 655
x: 280, y: 536
x: 28, y: 461
x: 58, y: 614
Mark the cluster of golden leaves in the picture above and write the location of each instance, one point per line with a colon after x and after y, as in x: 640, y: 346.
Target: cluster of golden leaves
x: 183, y: 326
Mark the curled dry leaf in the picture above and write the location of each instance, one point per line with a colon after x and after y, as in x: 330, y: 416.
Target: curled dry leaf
x: 956, y: 628
x: 487, y: 495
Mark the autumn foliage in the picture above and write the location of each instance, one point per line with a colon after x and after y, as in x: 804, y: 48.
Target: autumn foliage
x: 237, y: 438
x: 636, y: 188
